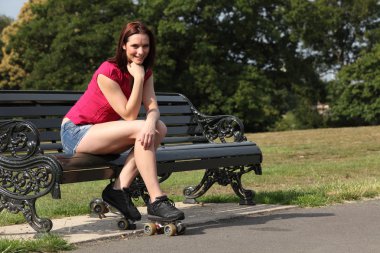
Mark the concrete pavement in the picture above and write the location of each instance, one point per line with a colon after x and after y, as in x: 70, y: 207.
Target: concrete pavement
x: 342, y: 228
x: 86, y: 228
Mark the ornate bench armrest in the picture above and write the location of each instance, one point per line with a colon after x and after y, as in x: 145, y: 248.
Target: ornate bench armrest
x: 25, y: 172
x: 19, y: 140
x: 221, y: 127
x: 20, y: 152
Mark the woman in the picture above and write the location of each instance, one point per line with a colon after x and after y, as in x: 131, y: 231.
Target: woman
x: 93, y: 124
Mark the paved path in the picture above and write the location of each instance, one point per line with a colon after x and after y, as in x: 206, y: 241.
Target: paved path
x: 346, y: 228
x: 86, y: 228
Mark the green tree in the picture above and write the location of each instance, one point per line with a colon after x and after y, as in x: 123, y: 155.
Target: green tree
x: 213, y: 50
x: 334, y: 32
x: 68, y: 40
x: 355, y: 95
x: 12, y: 72
x: 258, y: 59
x: 4, y: 22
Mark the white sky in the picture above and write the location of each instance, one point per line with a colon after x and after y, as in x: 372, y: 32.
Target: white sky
x: 11, y: 8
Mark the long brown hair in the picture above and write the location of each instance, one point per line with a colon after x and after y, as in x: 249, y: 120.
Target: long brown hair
x: 135, y: 27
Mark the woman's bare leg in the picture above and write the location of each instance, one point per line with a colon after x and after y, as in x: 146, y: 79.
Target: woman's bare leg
x: 115, y: 137
x: 130, y: 171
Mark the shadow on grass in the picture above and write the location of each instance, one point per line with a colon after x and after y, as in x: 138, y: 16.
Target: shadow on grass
x: 300, y: 198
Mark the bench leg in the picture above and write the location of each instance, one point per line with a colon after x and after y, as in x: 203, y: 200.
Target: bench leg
x: 23, y: 182
x: 28, y: 209
x: 191, y: 193
x: 246, y: 196
x: 223, y: 176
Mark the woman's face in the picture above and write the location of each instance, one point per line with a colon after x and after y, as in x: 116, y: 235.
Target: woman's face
x: 137, y: 48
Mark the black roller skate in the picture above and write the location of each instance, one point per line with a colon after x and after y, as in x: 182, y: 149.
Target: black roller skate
x: 165, y: 217
x: 119, y: 200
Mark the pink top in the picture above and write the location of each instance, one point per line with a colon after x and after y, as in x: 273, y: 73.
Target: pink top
x: 92, y: 107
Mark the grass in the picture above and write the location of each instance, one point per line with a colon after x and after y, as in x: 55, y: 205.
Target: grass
x: 306, y: 168
x: 45, y: 243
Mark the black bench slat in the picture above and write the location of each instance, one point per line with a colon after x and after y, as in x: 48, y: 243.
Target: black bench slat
x: 17, y: 111
x: 170, y: 109
x: 50, y: 136
x: 169, y: 121
x: 184, y: 139
x: 181, y: 130
x: 171, y: 99
x: 39, y: 96
x: 178, y: 120
x: 186, y: 165
x: 205, y: 150
x: 47, y: 122
x: 51, y: 147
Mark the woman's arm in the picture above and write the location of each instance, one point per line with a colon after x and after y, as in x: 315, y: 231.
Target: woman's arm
x: 148, y: 132
x: 150, y: 101
x: 128, y: 109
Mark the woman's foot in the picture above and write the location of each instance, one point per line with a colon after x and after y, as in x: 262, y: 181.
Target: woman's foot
x: 121, y: 200
x: 164, y: 209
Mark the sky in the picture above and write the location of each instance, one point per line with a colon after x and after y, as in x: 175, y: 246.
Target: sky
x: 11, y: 8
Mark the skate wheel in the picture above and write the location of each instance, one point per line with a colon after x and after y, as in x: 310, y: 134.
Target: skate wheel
x: 97, y: 206
x: 123, y: 224
x: 181, y: 228
x: 150, y: 229
x: 170, y: 230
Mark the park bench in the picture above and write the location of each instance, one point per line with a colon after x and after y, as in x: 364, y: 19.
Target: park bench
x: 32, y: 163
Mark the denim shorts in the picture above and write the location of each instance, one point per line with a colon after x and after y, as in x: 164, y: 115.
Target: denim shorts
x: 71, y: 135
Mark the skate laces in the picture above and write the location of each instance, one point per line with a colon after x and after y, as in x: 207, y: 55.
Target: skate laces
x: 165, y: 201
x: 169, y: 202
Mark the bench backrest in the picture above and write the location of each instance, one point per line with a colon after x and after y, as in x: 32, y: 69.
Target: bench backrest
x: 45, y: 109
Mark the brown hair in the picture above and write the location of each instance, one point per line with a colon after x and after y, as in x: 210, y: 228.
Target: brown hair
x: 135, y: 27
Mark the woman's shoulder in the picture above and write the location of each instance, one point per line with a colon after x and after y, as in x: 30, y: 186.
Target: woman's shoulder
x: 108, y: 65
x: 110, y: 70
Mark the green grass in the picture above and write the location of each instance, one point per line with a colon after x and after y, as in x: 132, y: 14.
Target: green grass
x: 306, y: 168
x: 46, y: 243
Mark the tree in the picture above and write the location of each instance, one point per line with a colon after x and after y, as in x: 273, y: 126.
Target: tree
x: 258, y: 59
x: 355, y: 95
x: 334, y: 32
x: 12, y: 71
x: 67, y: 40
x: 4, y: 22
x: 213, y: 50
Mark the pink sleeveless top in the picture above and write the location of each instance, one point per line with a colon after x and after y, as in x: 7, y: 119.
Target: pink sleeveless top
x: 93, y: 107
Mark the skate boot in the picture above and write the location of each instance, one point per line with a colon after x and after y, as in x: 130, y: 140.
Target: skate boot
x: 164, y: 209
x: 121, y: 200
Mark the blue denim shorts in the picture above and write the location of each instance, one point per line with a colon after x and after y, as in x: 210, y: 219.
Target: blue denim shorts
x: 71, y: 135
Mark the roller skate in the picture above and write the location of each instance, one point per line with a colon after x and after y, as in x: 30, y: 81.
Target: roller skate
x: 118, y: 202
x: 165, y: 218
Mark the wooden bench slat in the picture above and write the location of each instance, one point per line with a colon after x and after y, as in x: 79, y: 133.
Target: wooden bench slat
x: 206, y: 150
x: 17, y: 111
x: 184, y: 139
x: 40, y: 96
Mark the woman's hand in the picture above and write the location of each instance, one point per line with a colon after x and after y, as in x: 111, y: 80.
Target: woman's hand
x: 147, y: 134
x: 136, y: 70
